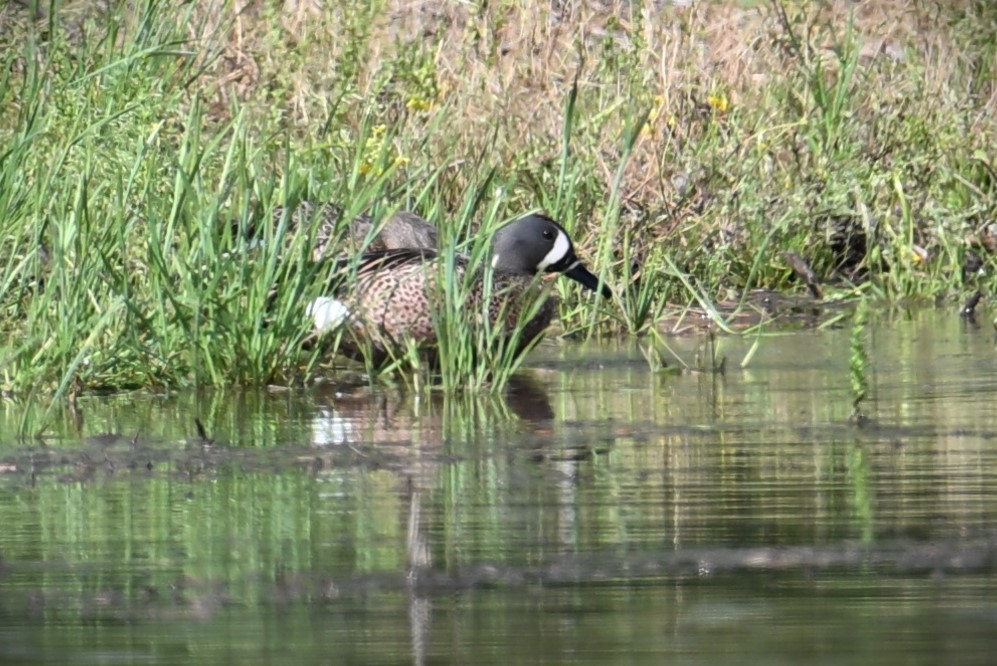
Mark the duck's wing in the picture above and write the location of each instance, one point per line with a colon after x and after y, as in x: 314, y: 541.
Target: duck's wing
x: 386, y: 260
x: 303, y: 212
x: 328, y: 216
x: 299, y: 215
x: 343, y: 271
x: 406, y: 229
x: 403, y: 230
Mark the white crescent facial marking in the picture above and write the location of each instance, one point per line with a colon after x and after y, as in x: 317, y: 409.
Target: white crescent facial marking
x: 495, y: 260
x: 562, y: 245
x: 327, y: 312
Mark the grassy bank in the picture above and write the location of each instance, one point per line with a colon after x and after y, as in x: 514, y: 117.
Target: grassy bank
x: 687, y: 149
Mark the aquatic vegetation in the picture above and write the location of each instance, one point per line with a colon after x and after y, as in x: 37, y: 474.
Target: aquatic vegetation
x: 136, y: 132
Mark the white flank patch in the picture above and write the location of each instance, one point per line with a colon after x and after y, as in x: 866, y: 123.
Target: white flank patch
x: 560, y: 250
x: 329, y: 428
x: 327, y: 312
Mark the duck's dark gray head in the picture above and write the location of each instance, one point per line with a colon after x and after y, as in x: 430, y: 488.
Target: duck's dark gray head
x: 537, y: 244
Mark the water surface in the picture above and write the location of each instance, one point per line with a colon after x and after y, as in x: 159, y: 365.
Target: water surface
x: 596, y: 513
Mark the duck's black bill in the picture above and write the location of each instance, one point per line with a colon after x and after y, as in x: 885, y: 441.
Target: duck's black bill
x: 582, y: 276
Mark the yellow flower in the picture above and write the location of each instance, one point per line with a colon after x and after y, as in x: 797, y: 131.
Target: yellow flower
x: 418, y: 104
x: 652, y: 118
x: 718, y: 102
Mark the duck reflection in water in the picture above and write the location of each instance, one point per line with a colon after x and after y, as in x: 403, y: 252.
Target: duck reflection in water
x: 383, y: 418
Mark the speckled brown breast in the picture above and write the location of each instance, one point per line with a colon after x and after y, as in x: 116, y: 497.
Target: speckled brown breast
x: 397, y: 299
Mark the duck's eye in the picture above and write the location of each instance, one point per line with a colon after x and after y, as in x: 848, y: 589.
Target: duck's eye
x: 548, y: 234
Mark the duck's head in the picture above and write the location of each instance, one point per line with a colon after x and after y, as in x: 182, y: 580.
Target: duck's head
x: 537, y: 244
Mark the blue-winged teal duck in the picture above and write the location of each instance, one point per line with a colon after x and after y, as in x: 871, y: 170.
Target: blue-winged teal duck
x: 389, y: 302
x: 404, y: 229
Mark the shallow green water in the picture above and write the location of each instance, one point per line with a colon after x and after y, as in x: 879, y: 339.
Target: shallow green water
x: 597, y: 514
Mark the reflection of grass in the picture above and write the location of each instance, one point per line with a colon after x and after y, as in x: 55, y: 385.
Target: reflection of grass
x: 859, y: 478
x: 859, y: 362
x: 131, y: 138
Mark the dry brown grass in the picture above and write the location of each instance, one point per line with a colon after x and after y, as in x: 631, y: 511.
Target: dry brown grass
x: 502, y: 73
